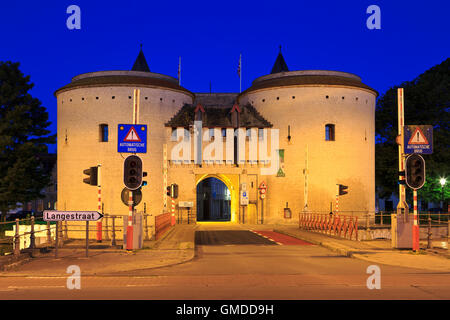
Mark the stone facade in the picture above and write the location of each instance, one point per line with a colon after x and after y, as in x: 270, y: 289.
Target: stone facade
x: 298, y: 104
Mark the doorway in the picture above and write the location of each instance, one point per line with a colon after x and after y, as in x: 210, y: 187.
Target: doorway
x: 213, y: 200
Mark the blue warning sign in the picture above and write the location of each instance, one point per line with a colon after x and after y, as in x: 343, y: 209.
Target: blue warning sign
x: 418, y: 139
x: 132, y: 138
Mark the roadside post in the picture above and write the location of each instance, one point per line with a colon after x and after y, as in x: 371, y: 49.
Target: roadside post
x: 113, y: 239
x: 87, y: 238
x: 99, y: 204
x: 243, y: 200
x: 59, y: 216
x: 32, y: 236
x: 17, y: 239
x: 56, y: 239
x: 130, y: 222
x: 262, y: 192
x: 49, y: 234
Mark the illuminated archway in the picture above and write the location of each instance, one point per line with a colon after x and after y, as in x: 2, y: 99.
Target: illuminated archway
x: 213, y: 200
x: 231, y: 182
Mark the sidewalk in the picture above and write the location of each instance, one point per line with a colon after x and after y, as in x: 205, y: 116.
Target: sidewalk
x: 376, y: 251
x: 176, y: 246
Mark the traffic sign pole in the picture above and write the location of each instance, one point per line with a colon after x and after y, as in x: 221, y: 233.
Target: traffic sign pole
x: 99, y: 206
x: 130, y: 222
x: 87, y: 238
x: 415, y: 230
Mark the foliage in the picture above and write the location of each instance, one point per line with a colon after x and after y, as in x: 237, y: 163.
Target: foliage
x: 427, y: 102
x: 23, y: 137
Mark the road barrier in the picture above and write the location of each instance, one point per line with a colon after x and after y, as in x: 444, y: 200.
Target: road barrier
x: 163, y: 222
x: 338, y: 225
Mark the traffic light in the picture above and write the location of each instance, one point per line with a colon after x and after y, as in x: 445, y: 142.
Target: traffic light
x: 172, y: 191
x: 132, y: 172
x: 92, y: 174
x: 342, y: 189
x: 144, y: 174
x: 415, y: 171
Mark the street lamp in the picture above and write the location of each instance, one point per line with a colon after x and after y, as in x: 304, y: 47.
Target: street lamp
x: 442, y: 181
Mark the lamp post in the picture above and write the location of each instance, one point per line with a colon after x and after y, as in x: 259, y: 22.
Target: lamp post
x: 442, y: 181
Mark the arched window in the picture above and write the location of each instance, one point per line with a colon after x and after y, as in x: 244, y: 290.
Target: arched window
x: 329, y: 132
x: 104, y: 132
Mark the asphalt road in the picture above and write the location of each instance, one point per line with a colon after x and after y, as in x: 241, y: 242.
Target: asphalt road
x: 232, y: 270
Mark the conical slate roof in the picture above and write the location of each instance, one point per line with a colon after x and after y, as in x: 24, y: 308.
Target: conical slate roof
x: 140, y: 64
x: 279, y: 65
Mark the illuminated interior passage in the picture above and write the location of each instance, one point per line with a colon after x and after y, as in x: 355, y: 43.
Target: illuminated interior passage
x: 213, y: 200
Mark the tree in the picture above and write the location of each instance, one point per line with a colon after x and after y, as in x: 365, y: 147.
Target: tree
x: 23, y: 136
x: 427, y: 102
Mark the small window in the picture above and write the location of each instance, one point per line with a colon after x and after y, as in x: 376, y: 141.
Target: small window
x: 248, y: 133
x: 187, y: 134
x: 211, y: 134
x: 103, y: 133
x: 173, y: 136
x: 224, y: 132
x: 329, y: 132
x: 261, y: 134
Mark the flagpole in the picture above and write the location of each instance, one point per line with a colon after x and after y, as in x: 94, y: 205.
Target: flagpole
x: 240, y: 73
x: 179, y: 72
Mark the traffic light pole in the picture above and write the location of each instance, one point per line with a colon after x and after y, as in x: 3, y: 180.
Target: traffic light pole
x: 415, y: 230
x: 173, y: 212
x: 130, y: 222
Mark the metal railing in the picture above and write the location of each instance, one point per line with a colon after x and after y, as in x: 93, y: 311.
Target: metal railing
x: 12, y: 245
x: 336, y: 224
x: 59, y: 232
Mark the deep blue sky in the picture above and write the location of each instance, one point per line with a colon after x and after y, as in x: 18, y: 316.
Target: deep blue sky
x: 209, y: 35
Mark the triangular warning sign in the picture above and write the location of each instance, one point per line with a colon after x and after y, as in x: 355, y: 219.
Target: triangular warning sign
x: 262, y: 185
x: 418, y: 137
x: 280, y: 173
x: 132, y: 136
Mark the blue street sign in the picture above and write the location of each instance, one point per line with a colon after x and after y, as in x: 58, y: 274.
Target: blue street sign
x: 132, y: 138
x: 418, y: 139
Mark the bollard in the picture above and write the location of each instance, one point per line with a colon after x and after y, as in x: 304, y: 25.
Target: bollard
x: 113, y: 241
x: 32, y: 236
x: 49, y: 234
x: 146, y: 228
x: 17, y: 240
x: 429, y: 232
